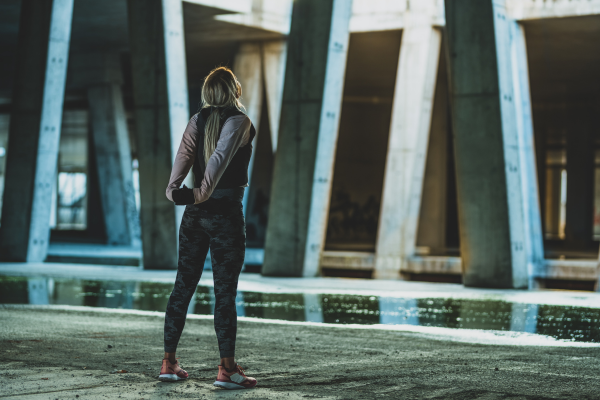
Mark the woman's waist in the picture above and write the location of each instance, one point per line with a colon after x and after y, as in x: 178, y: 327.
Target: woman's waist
x: 226, y: 196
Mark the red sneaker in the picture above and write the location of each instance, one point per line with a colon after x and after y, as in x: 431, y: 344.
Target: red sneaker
x: 171, y: 372
x: 235, y: 379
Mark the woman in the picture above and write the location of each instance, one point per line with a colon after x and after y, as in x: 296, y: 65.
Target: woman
x: 217, y: 144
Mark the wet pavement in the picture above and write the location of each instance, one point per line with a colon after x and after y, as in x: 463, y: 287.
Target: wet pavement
x: 562, y: 322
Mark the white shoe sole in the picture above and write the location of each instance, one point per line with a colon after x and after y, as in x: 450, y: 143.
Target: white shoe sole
x: 228, y: 385
x: 169, y: 378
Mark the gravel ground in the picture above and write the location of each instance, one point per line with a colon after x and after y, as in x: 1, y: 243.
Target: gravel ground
x: 58, y: 354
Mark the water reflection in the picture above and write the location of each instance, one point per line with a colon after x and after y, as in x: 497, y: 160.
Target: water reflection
x: 561, y: 322
x: 289, y: 307
x: 524, y: 317
x: 348, y: 309
x: 37, y: 290
x: 398, y: 311
x: 313, y: 312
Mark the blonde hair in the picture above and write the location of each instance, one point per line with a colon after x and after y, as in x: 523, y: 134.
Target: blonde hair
x: 221, y: 89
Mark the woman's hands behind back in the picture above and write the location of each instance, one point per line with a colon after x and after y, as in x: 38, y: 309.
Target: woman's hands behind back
x: 183, y: 196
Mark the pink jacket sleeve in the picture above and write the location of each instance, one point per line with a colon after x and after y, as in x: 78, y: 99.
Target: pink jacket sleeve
x: 185, y: 157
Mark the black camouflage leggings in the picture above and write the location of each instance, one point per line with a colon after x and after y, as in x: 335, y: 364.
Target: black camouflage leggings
x: 217, y: 223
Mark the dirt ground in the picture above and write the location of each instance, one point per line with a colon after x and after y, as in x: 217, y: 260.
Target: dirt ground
x: 57, y: 354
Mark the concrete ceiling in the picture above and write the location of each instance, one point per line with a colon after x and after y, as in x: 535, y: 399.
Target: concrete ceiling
x: 100, y: 26
x: 201, y: 27
x: 564, y: 53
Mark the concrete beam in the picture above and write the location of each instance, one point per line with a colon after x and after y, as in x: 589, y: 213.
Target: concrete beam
x: 34, y: 133
x: 161, y: 114
x: 316, y: 57
x: 177, y: 88
x: 493, y: 155
x: 538, y: 9
x: 407, y: 146
x: 270, y: 16
x: 385, y: 15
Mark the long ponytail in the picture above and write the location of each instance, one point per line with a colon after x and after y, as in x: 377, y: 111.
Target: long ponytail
x: 221, y: 89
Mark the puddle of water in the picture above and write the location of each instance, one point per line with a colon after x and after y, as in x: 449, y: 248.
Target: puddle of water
x: 561, y: 322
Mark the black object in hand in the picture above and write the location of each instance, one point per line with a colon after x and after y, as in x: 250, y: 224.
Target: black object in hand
x: 183, y: 196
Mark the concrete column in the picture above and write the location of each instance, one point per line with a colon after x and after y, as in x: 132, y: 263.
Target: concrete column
x: 101, y: 74
x: 328, y: 134
x: 597, y: 284
x: 113, y: 162
x: 407, y: 146
x: 176, y: 74
x: 532, y: 215
x: 553, y: 201
x: 432, y: 216
x: 34, y: 133
x: 579, y: 226
x: 492, y: 152
x: 274, y: 56
x: 316, y: 58
x: 161, y: 114
x: 248, y: 69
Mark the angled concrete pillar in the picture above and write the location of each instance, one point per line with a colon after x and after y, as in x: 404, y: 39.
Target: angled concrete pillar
x: 328, y: 134
x: 597, y: 284
x: 274, y: 57
x: 553, y: 202
x: 248, y: 69
x: 316, y: 60
x: 34, y: 132
x: 579, y: 224
x: 532, y: 215
x: 493, y: 150
x: 431, y: 232
x: 161, y: 114
x: 407, y: 145
x: 101, y: 74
